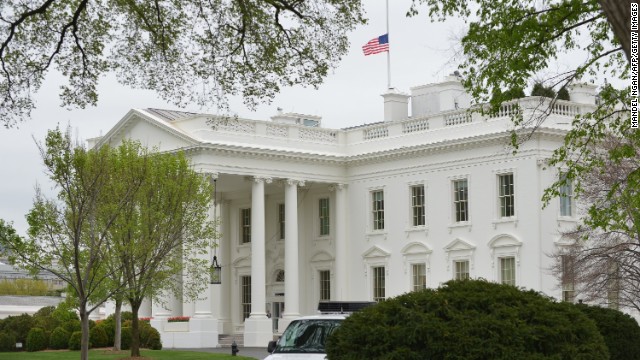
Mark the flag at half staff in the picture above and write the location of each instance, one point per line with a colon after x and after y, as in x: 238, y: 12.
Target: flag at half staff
x: 376, y: 45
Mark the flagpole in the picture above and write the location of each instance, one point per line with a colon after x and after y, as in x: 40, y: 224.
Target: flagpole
x: 388, y: 52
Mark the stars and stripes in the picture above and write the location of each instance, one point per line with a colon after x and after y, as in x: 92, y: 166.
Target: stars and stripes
x: 376, y: 45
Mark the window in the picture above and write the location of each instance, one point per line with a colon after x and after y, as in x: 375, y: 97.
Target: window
x: 568, y: 278
x: 377, y: 198
x: 461, y: 200
x: 613, y: 286
x: 324, y: 216
x: 281, y: 220
x: 506, y: 195
x: 325, y: 285
x: 417, y: 205
x: 508, y: 270
x: 378, y: 283
x: 245, y: 226
x: 245, y: 296
x: 566, y: 197
x: 418, y: 277
x: 280, y: 276
x: 461, y: 268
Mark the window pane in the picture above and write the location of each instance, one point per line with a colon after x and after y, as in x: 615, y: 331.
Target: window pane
x: 461, y: 269
x: 568, y: 278
x: 418, y: 205
x: 506, y: 195
x: 508, y: 270
x: 419, y: 277
x: 281, y: 220
x: 378, y: 283
x: 566, y: 197
x: 245, y: 226
x: 324, y: 217
x: 378, y: 210
x: 245, y: 296
x: 460, y: 200
x: 325, y: 285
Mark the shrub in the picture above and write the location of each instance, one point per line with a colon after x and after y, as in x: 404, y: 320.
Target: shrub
x: 149, y: 337
x: 72, y: 326
x: 620, y: 331
x: 125, y: 338
x: 75, y: 340
x: 19, y: 325
x: 109, y: 330
x: 59, y: 339
x: 541, y: 90
x: 472, y: 319
x: 563, y: 94
x: 7, y: 341
x: 37, y: 340
x: 98, y: 337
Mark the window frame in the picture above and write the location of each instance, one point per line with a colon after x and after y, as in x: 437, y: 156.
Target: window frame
x: 456, y: 269
x: 506, y: 199
x: 567, y: 281
x: 324, y: 284
x: 416, y: 284
x: 324, y: 220
x: 245, y: 294
x: 377, y: 210
x: 245, y: 225
x: 566, y: 197
x: 281, y: 221
x: 418, y: 204
x: 507, y: 276
x: 460, y: 205
x: 378, y: 277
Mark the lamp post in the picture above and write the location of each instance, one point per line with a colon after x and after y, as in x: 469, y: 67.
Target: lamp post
x: 215, y: 272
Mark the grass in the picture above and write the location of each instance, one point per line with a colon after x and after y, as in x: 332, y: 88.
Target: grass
x: 111, y: 355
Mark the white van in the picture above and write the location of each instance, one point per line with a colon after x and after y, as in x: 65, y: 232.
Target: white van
x: 304, y: 338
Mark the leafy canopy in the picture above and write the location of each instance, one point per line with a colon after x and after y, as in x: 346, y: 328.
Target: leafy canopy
x: 188, y: 51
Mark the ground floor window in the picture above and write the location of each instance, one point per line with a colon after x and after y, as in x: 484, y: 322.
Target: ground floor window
x: 378, y: 283
x: 325, y: 285
x: 508, y: 270
x: 461, y: 268
x: 418, y: 277
x: 245, y: 296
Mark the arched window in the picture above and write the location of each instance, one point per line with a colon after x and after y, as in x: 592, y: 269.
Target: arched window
x: 280, y: 276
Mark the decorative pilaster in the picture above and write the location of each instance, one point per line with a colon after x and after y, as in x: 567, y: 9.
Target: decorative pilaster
x: 291, y: 256
x: 341, y: 273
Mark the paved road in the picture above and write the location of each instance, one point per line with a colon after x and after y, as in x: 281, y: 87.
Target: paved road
x: 257, y: 353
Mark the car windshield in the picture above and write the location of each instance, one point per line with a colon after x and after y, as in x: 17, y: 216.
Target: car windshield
x: 306, y: 336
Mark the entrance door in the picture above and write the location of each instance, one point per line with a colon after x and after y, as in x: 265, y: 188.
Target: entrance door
x: 276, y: 313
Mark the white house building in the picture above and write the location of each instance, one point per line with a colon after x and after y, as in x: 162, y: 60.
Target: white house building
x: 363, y: 213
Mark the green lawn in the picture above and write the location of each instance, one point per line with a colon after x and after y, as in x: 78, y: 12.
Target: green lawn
x: 110, y: 355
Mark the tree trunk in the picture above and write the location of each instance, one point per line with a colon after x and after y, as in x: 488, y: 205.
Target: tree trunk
x: 84, y: 322
x: 618, y: 14
x: 117, y: 338
x: 135, y: 328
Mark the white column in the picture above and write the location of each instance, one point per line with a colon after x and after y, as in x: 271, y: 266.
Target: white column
x: 224, y: 310
x: 257, y: 328
x: 145, y: 308
x: 291, y: 261
x: 341, y: 274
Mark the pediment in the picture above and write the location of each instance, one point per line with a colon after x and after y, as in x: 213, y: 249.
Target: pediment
x: 416, y: 248
x: 375, y: 252
x: 321, y: 256
x: 458, y: 245
x: 242, y: 262
x: 504, y: 240
x: 150, y: 131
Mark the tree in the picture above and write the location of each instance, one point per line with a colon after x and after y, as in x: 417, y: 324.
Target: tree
x: 604, y: 251
x: 188, y: 51
x: 68, y: 234
x: 152, y: 247
x: 471, y: 319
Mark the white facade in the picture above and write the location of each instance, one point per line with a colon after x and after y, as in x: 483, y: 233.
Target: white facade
x: 372, y: 241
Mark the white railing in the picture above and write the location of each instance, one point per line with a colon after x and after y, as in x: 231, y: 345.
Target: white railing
x: 415, y: 125
x: 319, y: 135
x: 457, y: 118
x: 375, y: 132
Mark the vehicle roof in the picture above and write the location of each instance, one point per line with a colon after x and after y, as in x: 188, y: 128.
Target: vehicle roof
x: 324, y: 317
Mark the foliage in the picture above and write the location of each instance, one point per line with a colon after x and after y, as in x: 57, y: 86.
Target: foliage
x: 563, y: 94
x: 98, y: 337
x: 116, y: 355
x: 620, y: 331
x: 125, y: 338
x: 7, y: 341
x: 37, y: 340
x: 187, y: 51
x: 149, y: 337
x: 31, y: 287
x: 59, y: 339
x: 19, y: 325
x: 178, y: 319
x: 472, y: 319
x: 75, y: 340
x: 541, y: 90
x: 72, y: 326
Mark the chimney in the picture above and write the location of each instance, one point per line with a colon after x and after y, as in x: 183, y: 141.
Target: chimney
x: 396, y: 105
x: 583, y: 93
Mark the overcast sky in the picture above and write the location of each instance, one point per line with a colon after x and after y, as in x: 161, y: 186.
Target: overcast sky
x: 421, y: 53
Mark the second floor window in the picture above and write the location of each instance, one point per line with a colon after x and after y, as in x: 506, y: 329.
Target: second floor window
x: 245, y: 226
x: 281, y: 220
x: 323, y: 212
x: 417, y: 205
x: 506, y: 195
x: 377, y: 198
x: 566, y: 197
x: 461, y: 200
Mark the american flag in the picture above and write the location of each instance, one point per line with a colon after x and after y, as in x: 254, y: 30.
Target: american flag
x: 376, y: 45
